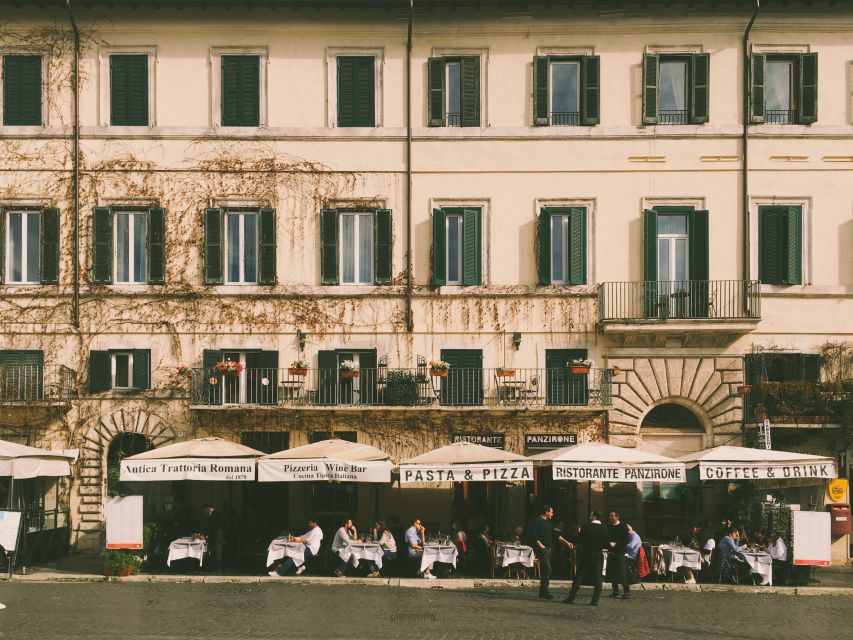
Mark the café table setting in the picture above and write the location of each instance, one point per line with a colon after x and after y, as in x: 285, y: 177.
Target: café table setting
x: 187, y: 547
x: 283, y: 547
x: 359, y: 551
x: 671, y: 557
x: 444, y: 552
x: 760, y: 563
x: 507, y: 554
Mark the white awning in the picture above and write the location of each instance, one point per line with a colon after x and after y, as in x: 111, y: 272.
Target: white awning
x: 200, y: 459
x: 466, y: 462
x: 22, y: 462
x: 338, y: 460
x: 596, y: 461
x: 744, y: 463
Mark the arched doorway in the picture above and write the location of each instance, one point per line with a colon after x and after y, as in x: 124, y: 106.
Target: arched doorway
x: 122, y: 446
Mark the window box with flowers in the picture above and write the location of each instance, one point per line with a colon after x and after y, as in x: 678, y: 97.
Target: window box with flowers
x: 229, y: 367
x: 580, y: 367
x: 438, y: 368
x: 504, y: 372
x: 348, y: 369
x: 183, y: 373
x: 298, y: 368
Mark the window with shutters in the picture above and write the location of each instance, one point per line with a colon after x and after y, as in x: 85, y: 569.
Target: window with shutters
x: 457, y: 246
x: 454, y: 96
x: 780, y: 244
x: 128, y: 245
x: 257, y: 383
x: 131, y: 247
x: 463, y: 385
x: 119, y: 369
x: 675, y: 88
x: 355, y: 247
x: 784, y: 88
x: 22, y: 94
x: 23, y: 247
x: 241, y: 247
x: 356, y: 91
x: 566, y: 90
x: 239, y: 86
x: 129, y: 90
x: 356, y: 235
x: 562, y: 245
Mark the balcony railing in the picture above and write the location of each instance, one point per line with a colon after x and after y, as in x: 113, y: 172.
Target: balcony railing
x: 797, y: 401
x: 454, y: 119
x: 385, y: 387
x: 780, y: 116
x: 36, y: 383
x: 565, y: 118
x: 680, y: 299
x: 672, y: 116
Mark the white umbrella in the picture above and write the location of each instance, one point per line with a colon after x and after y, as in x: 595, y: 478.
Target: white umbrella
x: 466, y: 461
x: 22, y: 462
x: 200, y: 459
x: 327, y: 460
x: 597, y: 461
x: 744, y: 463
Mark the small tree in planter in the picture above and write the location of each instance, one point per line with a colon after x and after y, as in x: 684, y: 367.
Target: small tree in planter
x: 580, y: 366
x: 120, y: 563
x: 349, y: 369
x: 298, y: 368
x: 438, y: 368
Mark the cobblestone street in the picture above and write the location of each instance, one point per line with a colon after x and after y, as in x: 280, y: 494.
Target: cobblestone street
x: 281, y: 610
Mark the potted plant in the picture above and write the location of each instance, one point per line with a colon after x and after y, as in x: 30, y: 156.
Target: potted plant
x: 183, y: 372
x: 580, y: 366
x: 615, y: 371
x: 298, y: 368
x: 120, y: 563
x: 504, y: 372
x: 438, y: 368
x: 229, y: 367
x: 348, y: 369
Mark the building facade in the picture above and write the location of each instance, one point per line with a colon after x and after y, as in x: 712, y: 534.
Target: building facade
x: 306, y: 190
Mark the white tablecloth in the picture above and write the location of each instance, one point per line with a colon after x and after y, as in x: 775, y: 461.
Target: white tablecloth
x: 362, y: 551
x: 433, y: 553
x: 675, y: 558
x: 186, y: 548
x: 507, y: 554
x: 761, y: 564
x: 281, y: 548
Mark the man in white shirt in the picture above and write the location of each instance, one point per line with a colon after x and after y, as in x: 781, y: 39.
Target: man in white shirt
x: 311, y: 539
x: 343, y: 537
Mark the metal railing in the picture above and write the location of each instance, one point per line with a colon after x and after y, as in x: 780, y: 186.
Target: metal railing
x: 565, y: 118
x: 36, y: 383
x: 454, y: 119
x: 417, y: 387
x: 672, y: 116
x: 676, y: 299
x: 780, y: 116
x: 796, y: 401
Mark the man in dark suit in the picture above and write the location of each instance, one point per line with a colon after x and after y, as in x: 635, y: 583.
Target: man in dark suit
x: 213, y: 527
x: 542, y: 534
x: 616, y: 566
x: 592, y: 539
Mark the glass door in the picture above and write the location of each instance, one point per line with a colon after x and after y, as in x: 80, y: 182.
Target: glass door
x: 673, y: 266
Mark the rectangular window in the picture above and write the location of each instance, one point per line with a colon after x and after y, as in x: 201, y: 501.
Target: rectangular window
x: 454, y: 94
x: 119, y: 369
x: 779, y: 86
x: 23, y: 247
x: 22, y: 90
x: 559, y: 249
x: 356, y: 248
x: 565, y: 93
x: 356, y: 91
x: 562, y: 245
x: 780, y: 244
x: 129, y: 90
x: 122, y: 370
x: 454, y: 249
x: 457, y: 246
x: 131, y: 250
x: 676, y: 88
x: 454, y: 91
x: 672, y: 96
x: 241, y: 247
x: 22, y: 373
x: 566, y: 90
x: 784, y: 88
x: 241, y: 90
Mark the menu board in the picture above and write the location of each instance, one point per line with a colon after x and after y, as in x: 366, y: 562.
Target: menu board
x: 124, y: 523
x: 812, y: 538
x: 10, y: 523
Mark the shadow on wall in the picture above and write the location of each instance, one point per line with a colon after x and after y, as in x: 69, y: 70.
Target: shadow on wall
x: 635, y: 249
x: 845, y: 247
x: 527, y: 247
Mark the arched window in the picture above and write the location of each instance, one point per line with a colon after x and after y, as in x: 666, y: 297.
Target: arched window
x: 672, y: 417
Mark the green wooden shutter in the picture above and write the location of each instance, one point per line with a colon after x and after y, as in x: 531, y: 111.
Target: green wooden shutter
x: 329, y: 246
x: 650, y: 245
x: 808, y: 88
x: 382, y: 234
x: 129, y: 90
x: 100, y: 371
x: 241, y: 91
x: 22, y: 90
x: 49, y: 246
x: 794, y: 264
x: 141, y: 369
x: 698, y: 239
x: 367, y: 364
x: 356, y: 91
x: 346, y: 91
x: 591, y: 90
x: 212, y: 392
x: 156, y: 246
x: 772, y: 244
x: 541, y: 71
x: 213, y: 246
x: 543, y: 256
x: 327, y: 377
x: 472, y: 253
x: 470, y: 72
x: 757, y: 99
x: 435, y: 72
x: 650, y: 88
x: 102, y: 245
x: 439, y: 248
x: 577, y: 245
x: 699, y: 87
x: 266, y: 246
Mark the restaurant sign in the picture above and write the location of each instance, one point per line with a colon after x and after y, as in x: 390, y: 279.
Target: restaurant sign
x: 549, y: 441
x: 614, y: 472
x: 479, y: 472
x: 494, y: 440
x: 776, y: 471
x: 188, y: 469
x: 276, y: 470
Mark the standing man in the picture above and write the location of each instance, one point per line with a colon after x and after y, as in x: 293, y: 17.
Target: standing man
x: 543, y: 536
x: 592, y: 539
x: 616, y: 558
x: 213, y: 528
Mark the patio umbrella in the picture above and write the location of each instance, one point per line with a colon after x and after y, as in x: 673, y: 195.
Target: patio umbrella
x: 596, y: 461
x: 466, y: 461
x: 200, y: 459
x: 327, y: 460
x: 22, y: 462
x: 744, y: 463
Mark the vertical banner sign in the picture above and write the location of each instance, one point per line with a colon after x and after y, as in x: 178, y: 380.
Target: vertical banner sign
x: 124, y: 523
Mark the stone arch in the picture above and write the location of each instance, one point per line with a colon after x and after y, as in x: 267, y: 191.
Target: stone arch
x: 704, y: 384
x: 93, y: 460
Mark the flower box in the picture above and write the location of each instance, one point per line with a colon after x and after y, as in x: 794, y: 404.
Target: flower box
x: 229, y: 367
x: 579, y: 370
x: 504, y: 373
x: 438, y: 373
x: 349, y: 373
x: 297, y: 371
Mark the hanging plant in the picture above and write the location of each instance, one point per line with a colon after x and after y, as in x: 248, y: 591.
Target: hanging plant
x: 229, y: 367
x: 298, y: 368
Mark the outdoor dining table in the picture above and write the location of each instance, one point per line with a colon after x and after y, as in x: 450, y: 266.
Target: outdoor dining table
x: 283, y: 548
x: 666, y: 558
x: 433, y: 553
x: 760, y: 563
x: 358, y: 551
x: 507, y: 554
x: 186, y: 547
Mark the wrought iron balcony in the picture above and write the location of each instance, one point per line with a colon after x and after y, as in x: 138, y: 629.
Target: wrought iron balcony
x: 672, y: 116
x: 780, y: 116
x: 419, y: 387
x: 24, y: 383
x: 454, y: 119
x: 565, y: 118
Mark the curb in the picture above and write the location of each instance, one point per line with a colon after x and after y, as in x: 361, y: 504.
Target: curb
x: 454, y: 584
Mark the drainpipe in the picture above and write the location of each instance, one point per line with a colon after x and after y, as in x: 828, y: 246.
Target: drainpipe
x: 75, y: 161
x: 747, y: 95
x: 410, y: 325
